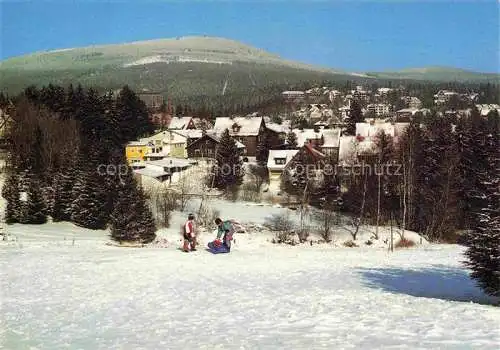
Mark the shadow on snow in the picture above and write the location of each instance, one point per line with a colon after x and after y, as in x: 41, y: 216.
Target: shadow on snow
x: 437, y: 282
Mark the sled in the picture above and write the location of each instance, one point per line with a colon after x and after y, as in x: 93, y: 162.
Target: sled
x: 217, y: 250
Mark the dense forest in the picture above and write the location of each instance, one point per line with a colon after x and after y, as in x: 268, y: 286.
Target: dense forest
x: 64, y: 145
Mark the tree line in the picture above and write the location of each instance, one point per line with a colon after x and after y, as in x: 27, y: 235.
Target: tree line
x: 65, y: 146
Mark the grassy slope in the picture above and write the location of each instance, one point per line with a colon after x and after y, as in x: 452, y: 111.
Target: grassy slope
x: 107, y: 67
x: 251, y: 69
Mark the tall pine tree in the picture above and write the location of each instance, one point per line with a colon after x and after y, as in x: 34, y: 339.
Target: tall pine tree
x: 483, y: 238
x: 263, y: 147
x: 131, y: 219
x: 229, y: 170
x: 90, y: 197
x: 355, y: 116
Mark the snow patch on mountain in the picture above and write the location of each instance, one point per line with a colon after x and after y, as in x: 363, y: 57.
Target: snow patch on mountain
x: 181, y: 59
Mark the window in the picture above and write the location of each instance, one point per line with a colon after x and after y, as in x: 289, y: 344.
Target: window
x: 280, y: 161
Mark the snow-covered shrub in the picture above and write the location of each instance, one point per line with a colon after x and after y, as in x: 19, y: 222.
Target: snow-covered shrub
x: 207, y: 215
x: 404, y: 243
x: 249, y: 193
x: 350, y: 244
x: 282, y: 225
x: 162, y: 205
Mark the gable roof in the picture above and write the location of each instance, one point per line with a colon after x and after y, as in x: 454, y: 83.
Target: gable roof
x: 284, y: 127
x: 331, y: 137
x: 179, y: 123
x: 306, y: 134
x: 286, y: 154
x: 249, y: 126
x: 370, y: 130
x: 216, y: 139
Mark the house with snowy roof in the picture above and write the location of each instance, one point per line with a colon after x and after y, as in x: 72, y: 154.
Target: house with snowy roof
x: 247, y: 130
x: 484, y: 109
x: 181, y: 123
x: 167, y: 170
x: 277, y: 161
x: 207, y: 146
x: 306, y: 166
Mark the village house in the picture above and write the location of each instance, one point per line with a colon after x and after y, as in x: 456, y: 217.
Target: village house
x: 135, y: 151
x: 331, y: 142
x: 308, y: 136
x: 276, y: 163
x: 182, y: 123
x: 247, y: 130
x: 305, y: 166
x: 207, y: 146
x: 380, y: 109
x: 383, y: 91
x: 178, y: 140
x: 484, y: 109
x: 444, y: 96
x: 167, y: 170
x: 293, y: 96
x: 406, y: 114
x: 333, y: 95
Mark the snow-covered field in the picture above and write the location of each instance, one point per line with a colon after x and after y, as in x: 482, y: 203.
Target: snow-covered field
x: 64, y: 288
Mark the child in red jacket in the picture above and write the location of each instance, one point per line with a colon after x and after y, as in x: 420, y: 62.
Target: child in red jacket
x: 189, y: 235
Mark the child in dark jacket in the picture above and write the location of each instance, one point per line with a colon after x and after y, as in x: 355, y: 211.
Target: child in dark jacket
x: 225, y: 230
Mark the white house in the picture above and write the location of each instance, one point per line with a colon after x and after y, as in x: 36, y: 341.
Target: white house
x: 276, y: 163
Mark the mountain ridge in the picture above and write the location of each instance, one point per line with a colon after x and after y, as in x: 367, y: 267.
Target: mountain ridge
x: 198, y: 65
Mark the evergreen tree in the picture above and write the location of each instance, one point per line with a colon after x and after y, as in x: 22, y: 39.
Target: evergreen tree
x: 291, y: 140
x: 355, y: 116
x: 131, y: 219
x: 131, y: 116
x: 90, y: 197
x: 63, y: 193
x: 483, y: 241
x: 438, y: 183
x: 263, y: 147
x: 11, y: 193
x: 36, y: 206
x: 229, y: 170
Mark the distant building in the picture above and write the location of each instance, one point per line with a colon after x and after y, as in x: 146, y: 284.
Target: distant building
x: 293, y: 96
x: 444, y: 96
x: 151, y: 99
x: 484, y: 109
x: 379, y: 109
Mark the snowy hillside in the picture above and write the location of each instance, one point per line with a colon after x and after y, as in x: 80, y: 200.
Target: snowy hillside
x: 64, y: 287
x: 83, y: 294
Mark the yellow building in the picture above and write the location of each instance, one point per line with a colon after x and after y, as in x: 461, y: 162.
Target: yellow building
x: 135, y: 151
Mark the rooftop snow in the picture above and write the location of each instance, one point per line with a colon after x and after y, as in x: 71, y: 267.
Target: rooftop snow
x: 249, y: 126
x: 286, y: 154
x: 179, y: 123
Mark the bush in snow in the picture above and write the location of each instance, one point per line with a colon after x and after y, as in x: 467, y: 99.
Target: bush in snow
x: 350, y: 244
x: 248, y: 193
x: 404, y: 243
x: 207, y: 215
x: 162, y: 204
x: 282, y: 225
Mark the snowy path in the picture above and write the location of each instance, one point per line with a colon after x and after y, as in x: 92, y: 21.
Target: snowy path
x: 91, y: 296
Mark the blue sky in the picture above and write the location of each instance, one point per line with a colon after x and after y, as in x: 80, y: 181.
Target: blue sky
x: 351, y: 35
